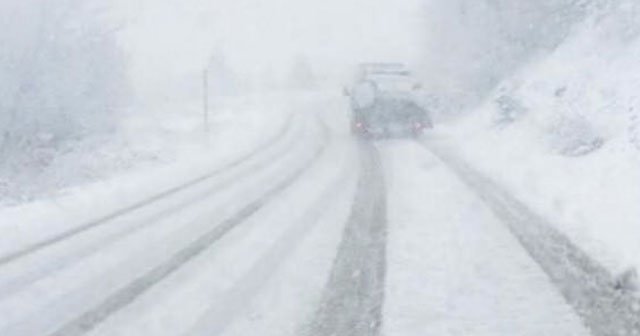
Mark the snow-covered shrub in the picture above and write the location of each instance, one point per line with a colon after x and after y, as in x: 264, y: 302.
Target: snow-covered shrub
x: 627, y: 281
x: 573, y: 135
x: 509, y: 109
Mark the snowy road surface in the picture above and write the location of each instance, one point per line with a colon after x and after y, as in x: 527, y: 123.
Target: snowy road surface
x: 314, y: 233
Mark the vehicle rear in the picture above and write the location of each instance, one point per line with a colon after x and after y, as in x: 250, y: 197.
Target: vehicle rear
x: 391, y: 118
x: 384, y: 104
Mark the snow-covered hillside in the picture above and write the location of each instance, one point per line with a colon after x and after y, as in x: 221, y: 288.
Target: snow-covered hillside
x: 563, y: 134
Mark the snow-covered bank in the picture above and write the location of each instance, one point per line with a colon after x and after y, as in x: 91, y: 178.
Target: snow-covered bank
x: 236, y: 130
x: 560, y: 134
x: 148, y: 136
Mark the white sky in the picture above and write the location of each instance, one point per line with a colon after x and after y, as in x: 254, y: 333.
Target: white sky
x: 167, y: 38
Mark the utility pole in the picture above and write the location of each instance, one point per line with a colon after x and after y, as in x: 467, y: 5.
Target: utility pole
x: 205, y: 96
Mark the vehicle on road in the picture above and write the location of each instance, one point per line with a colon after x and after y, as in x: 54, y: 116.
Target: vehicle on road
x: 384, y: 103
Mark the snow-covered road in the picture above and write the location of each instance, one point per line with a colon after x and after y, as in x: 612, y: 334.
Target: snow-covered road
x: 313, y: 234
x: 453, y: 267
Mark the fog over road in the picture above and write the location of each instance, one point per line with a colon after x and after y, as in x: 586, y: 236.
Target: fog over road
x: 314, y: 233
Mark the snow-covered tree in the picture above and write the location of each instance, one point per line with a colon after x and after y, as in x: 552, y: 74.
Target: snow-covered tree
x: 473, y: 44
x: 63, y: 75
x: 301, y: 75
x: 267, y: 79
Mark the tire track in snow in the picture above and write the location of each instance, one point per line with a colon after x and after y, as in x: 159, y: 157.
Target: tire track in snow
x: 585, y: 284
x: 238, y: 169
x: 28, y: 250
x: 219, y: 317
x: 354, y: 295
x: 124, y: 296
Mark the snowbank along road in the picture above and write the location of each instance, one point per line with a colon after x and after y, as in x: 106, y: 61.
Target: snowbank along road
x: 585, y: 284
x: 315, y: 233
